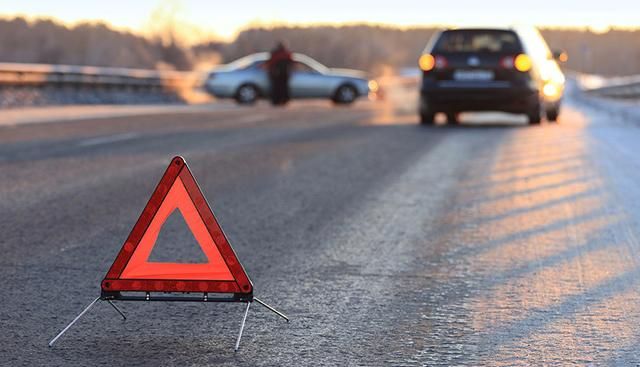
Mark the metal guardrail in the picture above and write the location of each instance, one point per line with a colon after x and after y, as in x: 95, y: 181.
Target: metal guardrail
x: 627, y: 87
x: 46, y: 75
x: 18, y: 74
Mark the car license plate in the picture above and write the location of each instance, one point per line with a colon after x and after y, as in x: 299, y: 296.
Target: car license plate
x: 473, y: 75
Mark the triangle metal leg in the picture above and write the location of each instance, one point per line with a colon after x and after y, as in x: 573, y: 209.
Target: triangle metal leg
x: 117, y: 309
x: 74, y: 321
x: 271, y: 309
x: 124, y: 317
x: 244, y: 320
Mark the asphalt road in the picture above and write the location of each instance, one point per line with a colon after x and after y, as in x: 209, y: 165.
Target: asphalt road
x: 385, y: 242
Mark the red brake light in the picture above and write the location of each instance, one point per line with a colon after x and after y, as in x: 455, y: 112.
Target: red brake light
x: 441, y: 62
x: 507, y: 62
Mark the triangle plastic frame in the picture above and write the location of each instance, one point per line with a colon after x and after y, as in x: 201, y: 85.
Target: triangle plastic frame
x: 114, y: 282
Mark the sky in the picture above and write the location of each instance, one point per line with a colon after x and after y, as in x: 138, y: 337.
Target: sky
x: 225, y: 18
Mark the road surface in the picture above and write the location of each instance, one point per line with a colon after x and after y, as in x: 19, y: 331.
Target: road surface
x: 387, y: 243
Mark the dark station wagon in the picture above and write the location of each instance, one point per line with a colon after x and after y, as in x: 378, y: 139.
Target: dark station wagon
x: 490, y: 69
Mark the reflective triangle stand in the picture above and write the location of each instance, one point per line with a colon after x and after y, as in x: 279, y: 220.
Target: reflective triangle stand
x: 148, y: 297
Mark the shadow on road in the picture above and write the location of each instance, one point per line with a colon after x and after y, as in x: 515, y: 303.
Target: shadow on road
x: 531, y: 250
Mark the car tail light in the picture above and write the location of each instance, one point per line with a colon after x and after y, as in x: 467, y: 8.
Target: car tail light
x: 429, y: 62
x: 520, y: 62
x: 373, y: 86
x: 441, y: 62
x: 507, y: 62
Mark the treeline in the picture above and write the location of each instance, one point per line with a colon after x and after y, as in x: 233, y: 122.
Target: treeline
x: 363, y: 47
x: 366, y: 47
x: 49, y: 42
x: 616, y: 52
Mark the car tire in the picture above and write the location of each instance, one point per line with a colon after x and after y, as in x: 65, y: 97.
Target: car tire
x: 453, y: 118
x: 552, y: 114
x: 427, y: 118
x: 534, y: 115
x: 345, y: 94
x: 247, y: 94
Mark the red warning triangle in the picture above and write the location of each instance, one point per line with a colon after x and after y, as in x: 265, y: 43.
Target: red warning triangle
x: 132, y: 270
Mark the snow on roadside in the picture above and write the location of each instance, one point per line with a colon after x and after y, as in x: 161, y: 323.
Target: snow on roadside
x: 625, y: 109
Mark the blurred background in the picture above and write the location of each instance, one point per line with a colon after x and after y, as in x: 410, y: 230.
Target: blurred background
x: 187, y: 35
x: 194, y: 36
x: 178, y: 42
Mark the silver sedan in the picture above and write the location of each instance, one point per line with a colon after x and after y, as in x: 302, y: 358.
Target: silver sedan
x: 246, y: 81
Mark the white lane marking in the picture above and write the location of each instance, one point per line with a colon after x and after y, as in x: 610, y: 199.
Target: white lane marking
x: 107, y: 139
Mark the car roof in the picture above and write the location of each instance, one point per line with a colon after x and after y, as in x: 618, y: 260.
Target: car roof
x: 479, y: 28
x: 263, y: 56
x: 512, y: 28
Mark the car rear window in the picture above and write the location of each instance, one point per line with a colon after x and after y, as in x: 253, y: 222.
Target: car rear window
x: 478, y: 41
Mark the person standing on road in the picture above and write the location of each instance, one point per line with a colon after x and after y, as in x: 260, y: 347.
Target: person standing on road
x: 279, y: 68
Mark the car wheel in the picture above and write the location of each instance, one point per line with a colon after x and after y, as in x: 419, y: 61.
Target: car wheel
x: 346, y: 94
x: 552, y: 114
x: 534, y: 115
x: 247, y: 94
x: 427, y: 118
x: 427, y: 113
x: 453, y: 117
